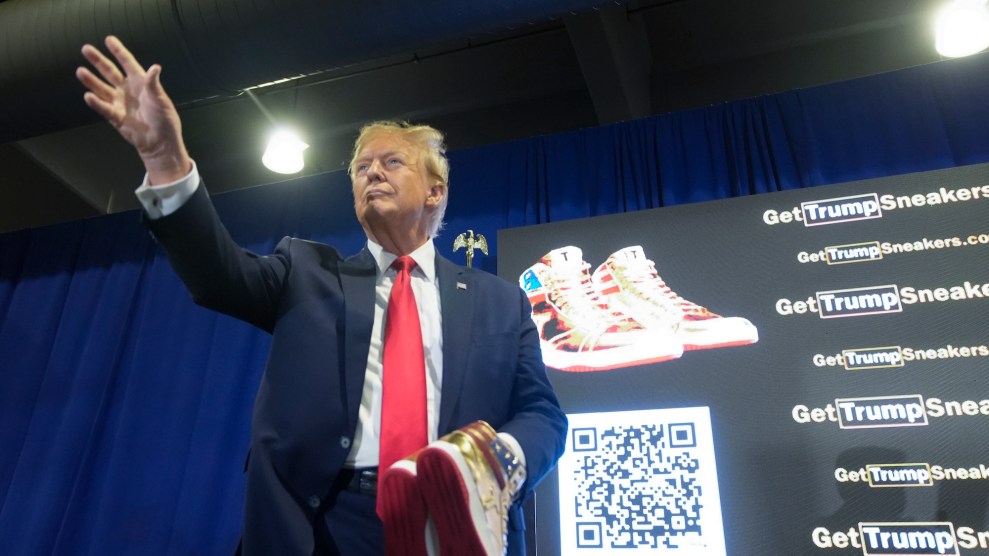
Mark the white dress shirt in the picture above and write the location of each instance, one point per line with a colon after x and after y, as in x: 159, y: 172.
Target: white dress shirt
x: 425, y: 287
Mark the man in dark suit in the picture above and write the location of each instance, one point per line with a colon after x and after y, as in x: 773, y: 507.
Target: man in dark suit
x: 317, y: 422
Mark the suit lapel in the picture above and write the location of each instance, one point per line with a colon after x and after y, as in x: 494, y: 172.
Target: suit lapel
x: 457, y: 305
x: 357, y: 279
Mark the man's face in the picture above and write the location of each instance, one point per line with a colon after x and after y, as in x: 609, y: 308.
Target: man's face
x: 392, y: 190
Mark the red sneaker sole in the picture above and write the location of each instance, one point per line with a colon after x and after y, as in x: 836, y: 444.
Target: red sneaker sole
x: 403, y: 513
x: 446, y: 495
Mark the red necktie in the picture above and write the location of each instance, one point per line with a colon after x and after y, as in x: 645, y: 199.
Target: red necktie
x: 403, y: 388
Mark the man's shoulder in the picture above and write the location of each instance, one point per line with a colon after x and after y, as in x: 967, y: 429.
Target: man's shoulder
x: 324, y: 254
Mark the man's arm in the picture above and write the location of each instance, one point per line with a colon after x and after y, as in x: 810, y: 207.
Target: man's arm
x: 218, y: 273
x: 539, y: 424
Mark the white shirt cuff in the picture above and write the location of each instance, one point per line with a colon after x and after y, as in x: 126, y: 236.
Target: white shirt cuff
x: 161, y: 200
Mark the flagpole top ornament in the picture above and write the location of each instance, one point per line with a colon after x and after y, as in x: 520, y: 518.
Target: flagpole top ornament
x: 470, y: 241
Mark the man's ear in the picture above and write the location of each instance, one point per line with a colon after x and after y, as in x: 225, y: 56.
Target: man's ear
x: 436, y: 194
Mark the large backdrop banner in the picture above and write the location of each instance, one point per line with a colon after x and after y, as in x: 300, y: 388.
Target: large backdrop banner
x: 125, y: 409
x: 819, y: 354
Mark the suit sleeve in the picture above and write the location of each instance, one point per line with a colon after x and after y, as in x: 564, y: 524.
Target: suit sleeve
x: 218, y: 273
x: 538, y: 423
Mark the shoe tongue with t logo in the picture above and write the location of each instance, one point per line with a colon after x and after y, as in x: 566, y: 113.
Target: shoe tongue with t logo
x: 632, y: 255
x: 565, y: 258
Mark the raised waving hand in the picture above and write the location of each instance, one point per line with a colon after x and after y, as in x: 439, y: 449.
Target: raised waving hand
x: 133, y: 101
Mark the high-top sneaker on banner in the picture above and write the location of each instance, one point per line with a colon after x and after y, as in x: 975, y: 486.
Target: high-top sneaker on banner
x: 577, y: 329
x: 628, y: 281
x: 470, y: 478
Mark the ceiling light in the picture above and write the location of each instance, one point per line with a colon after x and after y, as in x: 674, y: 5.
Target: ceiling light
x: 284, y: 153
x: 962, y: 28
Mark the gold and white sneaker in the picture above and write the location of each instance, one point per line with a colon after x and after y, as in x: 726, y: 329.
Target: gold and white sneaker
x: 469, y: 479
x: 630, y: 285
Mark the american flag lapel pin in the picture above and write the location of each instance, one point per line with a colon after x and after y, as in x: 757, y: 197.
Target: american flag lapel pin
x: 461, y: 286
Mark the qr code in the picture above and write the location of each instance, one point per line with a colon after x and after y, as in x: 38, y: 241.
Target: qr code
x: 641, y: 482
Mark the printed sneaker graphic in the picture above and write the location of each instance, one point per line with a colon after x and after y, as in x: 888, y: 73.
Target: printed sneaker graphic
x: 630, y: 285
x: 577, y: 330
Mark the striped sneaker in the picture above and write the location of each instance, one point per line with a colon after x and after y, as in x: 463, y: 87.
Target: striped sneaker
x: 578, y: 331
x: 628, y: 281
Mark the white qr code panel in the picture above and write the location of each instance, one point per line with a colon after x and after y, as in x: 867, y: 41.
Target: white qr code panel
x: 640, y: 482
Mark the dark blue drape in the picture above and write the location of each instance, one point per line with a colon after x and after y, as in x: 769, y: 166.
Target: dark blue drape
x: 125, y: 409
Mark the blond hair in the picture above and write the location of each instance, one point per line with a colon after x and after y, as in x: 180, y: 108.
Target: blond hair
x: 432, y: 154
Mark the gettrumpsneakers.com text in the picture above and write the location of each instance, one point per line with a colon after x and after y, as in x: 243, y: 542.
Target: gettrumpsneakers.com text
x: 888, y: 538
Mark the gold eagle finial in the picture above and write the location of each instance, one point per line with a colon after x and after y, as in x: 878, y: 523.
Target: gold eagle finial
x: 470, y: 241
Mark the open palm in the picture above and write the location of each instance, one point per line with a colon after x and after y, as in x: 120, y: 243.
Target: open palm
x: 133, y: 101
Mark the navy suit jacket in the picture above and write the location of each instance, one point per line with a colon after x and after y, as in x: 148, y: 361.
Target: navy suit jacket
x: 319, y: 309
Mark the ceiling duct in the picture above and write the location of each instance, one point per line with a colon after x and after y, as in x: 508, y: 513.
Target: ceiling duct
x: 212, y: 48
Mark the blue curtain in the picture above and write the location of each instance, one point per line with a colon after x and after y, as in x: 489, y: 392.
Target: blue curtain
x: 125, y: 409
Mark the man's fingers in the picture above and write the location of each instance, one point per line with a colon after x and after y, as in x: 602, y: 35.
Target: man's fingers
x: 99, y: 97
x: 101, y: 107
x: 127, y: 60
x: 94, y: 84
x: 107, y: 69
x: 154, y: 81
